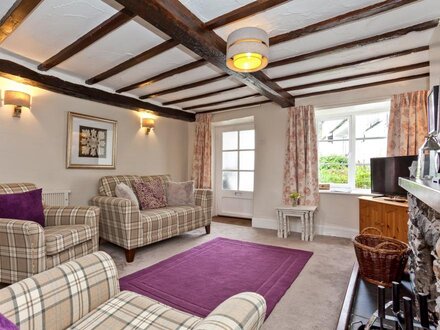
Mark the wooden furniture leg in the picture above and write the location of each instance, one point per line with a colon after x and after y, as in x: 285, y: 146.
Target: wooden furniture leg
x: 312, y: 232
x: 307, y: 234
x: 303, y: 227
x: 279, y: 218
x: 129, y: 255
x: 208, y: 229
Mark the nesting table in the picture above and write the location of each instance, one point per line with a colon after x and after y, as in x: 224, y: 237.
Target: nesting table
x: 303, y: 213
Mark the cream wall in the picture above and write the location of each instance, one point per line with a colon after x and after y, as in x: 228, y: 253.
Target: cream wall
x: 33, y: 148
x: 338, y: 213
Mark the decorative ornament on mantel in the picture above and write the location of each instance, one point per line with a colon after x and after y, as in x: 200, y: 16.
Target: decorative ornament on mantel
x: 247, y: 50
x: 295, y: 196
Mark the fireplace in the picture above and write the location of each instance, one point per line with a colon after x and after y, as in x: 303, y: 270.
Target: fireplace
x: 424, y: 239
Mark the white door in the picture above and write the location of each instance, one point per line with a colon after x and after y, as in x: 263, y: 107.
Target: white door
x: 234, y: 170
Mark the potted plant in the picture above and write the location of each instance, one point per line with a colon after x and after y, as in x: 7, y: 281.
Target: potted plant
x: 295, y: 196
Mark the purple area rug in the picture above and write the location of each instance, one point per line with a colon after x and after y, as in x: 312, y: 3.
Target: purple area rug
x: 198, y: 280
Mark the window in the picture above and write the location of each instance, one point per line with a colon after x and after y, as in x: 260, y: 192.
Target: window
x: 238, y: 153
x: 347, y: 139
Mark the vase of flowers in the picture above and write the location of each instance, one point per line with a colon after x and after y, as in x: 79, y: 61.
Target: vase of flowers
x: 295, y: 196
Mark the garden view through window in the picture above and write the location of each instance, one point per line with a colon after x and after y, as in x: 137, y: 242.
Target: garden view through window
x: 347, y: 139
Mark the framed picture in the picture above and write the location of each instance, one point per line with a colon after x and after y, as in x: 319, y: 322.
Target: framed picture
x: 91, y: 142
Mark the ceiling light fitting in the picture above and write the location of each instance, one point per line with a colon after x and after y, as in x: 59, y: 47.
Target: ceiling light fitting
x: 247, y: 50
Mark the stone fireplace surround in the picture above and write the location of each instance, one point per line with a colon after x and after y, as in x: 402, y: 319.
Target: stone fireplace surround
x: 424, y: 239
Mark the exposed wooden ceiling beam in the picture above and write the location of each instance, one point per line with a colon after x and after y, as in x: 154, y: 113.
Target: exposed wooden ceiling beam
x: 164, y: 75
x: 340, y: 20
x: 17, y: 72
x: 133, y: 61
x: 358, y: 43
x: 184, y: 87
x: 175, y: 20
x: 87, y: 39
x: 288, y: 77
x: 358, y: 76
x: 15, y: 16
x: 233, y: 107
x: 373, y: 84
x: 250, y: 9
x: 346, y: 65
x: 198, y: 106
x: 201, y: 96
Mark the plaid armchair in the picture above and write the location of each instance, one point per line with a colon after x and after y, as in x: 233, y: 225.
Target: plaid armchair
x: 26, y: 248
x: 123, y: 224
x: 88, y: 297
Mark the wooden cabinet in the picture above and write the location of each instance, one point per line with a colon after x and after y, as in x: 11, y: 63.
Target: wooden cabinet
x: 389, y: 217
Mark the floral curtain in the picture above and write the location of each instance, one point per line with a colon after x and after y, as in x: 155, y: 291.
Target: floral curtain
x: 408, y: 123
x: 201, y: 169
x: 301, y: 159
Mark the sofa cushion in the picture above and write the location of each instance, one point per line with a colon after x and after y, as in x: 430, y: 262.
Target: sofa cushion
x: 158, y: 224
x: 60, y: 238
x: 180, y: 193
x: 124, y: 191
x: 151, y: 194
x: 129, y: 310
x: 23, y: 206
x: 107, y: 184
x: 189, y: 217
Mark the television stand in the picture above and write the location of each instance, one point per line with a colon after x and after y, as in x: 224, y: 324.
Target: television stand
x: 398, y: 199
x: 390, y: 217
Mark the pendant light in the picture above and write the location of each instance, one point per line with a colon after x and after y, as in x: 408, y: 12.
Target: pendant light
x: 247, y: 50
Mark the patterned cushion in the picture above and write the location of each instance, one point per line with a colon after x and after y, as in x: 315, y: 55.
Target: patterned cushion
x: 124, y: 191
x: 129, y: 310
x: 60, y: 238
x: 180, y: 193
x: 151, y: 194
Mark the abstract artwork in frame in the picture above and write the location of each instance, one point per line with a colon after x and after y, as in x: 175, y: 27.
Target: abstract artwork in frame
x: 91, y: 141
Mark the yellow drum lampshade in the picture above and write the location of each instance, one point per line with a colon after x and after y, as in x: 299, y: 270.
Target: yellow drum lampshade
x: 19, y: 99
x: 247, y: 50
x: 147, y: 123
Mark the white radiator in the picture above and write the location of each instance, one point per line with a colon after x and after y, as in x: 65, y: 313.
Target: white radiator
x: 56, y: 198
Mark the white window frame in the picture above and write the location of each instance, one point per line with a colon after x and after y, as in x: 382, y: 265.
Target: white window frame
x: 350, y: 113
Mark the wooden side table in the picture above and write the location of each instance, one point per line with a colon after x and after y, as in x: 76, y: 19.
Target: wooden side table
x: 304, y: 213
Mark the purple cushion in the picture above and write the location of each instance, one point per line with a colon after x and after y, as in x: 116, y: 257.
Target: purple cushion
x: 23, y: 206
x: 5, y: 324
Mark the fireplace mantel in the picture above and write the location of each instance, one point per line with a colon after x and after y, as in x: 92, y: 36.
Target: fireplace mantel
x: 428, y: 192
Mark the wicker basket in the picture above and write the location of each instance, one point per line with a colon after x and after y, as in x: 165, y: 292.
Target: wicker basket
x: 381, y: 259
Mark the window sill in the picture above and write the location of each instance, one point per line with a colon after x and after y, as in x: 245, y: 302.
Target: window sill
x: 354, y: 192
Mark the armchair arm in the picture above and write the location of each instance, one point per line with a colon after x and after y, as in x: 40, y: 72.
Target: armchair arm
x: 203, y: 198
x: 60, y: 296
x: 120, y: 220
x: 244, y: 311
x: 71, y: 215
x: 22, y: 250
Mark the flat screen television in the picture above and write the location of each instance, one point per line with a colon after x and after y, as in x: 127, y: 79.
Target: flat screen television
x: 385, y: 173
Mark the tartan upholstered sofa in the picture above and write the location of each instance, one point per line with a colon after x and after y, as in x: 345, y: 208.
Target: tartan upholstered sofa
x: 84, y: 294
x: 26, y: 248
x: 123, y: 224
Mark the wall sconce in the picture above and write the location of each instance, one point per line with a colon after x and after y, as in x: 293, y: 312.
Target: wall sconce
x: 147, y: 123
x: 19, y: 99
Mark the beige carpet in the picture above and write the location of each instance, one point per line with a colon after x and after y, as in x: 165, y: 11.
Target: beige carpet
x: 313, y: 301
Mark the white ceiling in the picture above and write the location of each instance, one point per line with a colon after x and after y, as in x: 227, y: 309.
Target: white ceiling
x: 55, y: 24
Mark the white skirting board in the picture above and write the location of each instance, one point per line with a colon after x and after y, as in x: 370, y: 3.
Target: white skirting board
x: 267, y: 223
